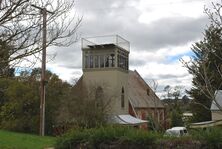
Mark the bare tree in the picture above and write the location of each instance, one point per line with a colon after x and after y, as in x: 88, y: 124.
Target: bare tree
x: 88, y: 106
x: 215, y: 14
x: 153, y: 84
x: 21, y: 26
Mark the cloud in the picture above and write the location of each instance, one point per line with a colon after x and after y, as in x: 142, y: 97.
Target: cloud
x: 160, y: 32
x: 166, y: 33
x: 100, y: 18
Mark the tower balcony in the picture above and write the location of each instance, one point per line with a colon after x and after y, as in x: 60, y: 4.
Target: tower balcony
x: 105, y: 42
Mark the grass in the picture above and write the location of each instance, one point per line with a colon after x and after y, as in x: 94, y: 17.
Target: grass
x: 12, y: 140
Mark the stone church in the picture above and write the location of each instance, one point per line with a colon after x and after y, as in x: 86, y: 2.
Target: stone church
x: 105, y: 64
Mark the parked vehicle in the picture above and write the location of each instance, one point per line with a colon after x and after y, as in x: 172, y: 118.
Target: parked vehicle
x: 176, y: 132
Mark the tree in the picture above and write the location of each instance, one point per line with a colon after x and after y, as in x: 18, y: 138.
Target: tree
x: 19, y: 112
x: 206, y: 66
x: 87, y: 107
x: 57, y: 92
x: 5, y: 70
x: 176, y: 118
x: 20, y: 26
x: 19, y: 101
x: 174, y: 107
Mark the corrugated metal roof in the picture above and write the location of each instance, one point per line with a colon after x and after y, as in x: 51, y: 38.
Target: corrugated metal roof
x: 138, y: 92
x: 125, y: 120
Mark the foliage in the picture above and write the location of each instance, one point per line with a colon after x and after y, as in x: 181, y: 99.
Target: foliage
x: 205, y: 66
x: 19, y: 111
x: 176, y: 118
x: 200, y: 106
x: 19, y: 108
x: 151, y: 123
x: 12, y: 140
x: 212, y: 136
x: 129, y: 137
x: 85, y: 107
x: 174, y: 104
x: 97, y: 136
x: 206, y: 78
x: 19, y: 104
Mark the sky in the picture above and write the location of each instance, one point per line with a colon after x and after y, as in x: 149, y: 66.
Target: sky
x: 160, y: 32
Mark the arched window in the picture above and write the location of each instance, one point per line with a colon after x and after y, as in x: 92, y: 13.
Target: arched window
x: 122, y: 98
x: 99, y: 96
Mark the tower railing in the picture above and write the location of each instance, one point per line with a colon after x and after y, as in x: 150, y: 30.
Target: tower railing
x: 105, y: 40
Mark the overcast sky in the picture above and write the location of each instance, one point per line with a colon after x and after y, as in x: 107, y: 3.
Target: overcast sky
x: 160, y: 33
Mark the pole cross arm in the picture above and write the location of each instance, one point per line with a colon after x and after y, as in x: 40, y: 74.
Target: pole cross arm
x: 42, y: 9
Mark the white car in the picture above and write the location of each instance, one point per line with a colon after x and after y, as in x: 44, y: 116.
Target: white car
x: 176, y: 132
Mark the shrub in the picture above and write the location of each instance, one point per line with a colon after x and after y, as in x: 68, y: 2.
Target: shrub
x: 140, y: 137
x: 106, y: 135
x: 211, y: 136
x: 71, y: 139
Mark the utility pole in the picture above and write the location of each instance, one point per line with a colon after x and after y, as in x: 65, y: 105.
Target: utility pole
x: 43, y: 81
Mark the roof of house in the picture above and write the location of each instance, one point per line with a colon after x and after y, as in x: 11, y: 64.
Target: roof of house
x: 218, y: 98
x: 140, y: 94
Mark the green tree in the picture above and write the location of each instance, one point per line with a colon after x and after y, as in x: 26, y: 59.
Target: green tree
x: 57, y: 92
x: 20, y: 97
x: 174, y: 107
x: 176, y: 118
x: 205, y: 66
x: 20, y: 111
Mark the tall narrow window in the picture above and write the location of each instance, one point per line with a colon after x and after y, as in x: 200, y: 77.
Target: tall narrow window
x: 86, y: 61
x: 101, y: 61
x: 99, y: 97
x: 107, y: 60
x: 112, y: 60
x: 91, y: 61
x: 122, y: 98
x: 96, y: 59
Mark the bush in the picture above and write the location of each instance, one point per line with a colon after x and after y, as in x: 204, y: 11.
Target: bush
x: 72, y: 138
x: 140, y: 137
x: 128, y: 137
x: 106, y: 135
x: 211, y: 136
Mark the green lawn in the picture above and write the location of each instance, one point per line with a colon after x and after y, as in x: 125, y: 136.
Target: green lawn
x: 12, y: 140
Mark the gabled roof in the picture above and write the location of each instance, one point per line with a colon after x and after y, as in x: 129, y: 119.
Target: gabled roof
x: 140, y: 94
x: 137, y: 92
x: 218, y: 98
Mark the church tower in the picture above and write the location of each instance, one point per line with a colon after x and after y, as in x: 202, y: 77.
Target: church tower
x: 105, y: 63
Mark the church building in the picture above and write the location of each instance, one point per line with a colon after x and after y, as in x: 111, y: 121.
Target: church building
x: 105, y: 64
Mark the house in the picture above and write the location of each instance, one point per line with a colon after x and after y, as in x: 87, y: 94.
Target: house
x: 216, y: 112
x: 105, y: 64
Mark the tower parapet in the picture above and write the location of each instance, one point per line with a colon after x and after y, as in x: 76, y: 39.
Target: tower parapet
x: 105, y: 52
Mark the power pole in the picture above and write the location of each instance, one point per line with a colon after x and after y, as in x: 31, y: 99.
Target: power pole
x: 43, y: 81
x: 42, y: 102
